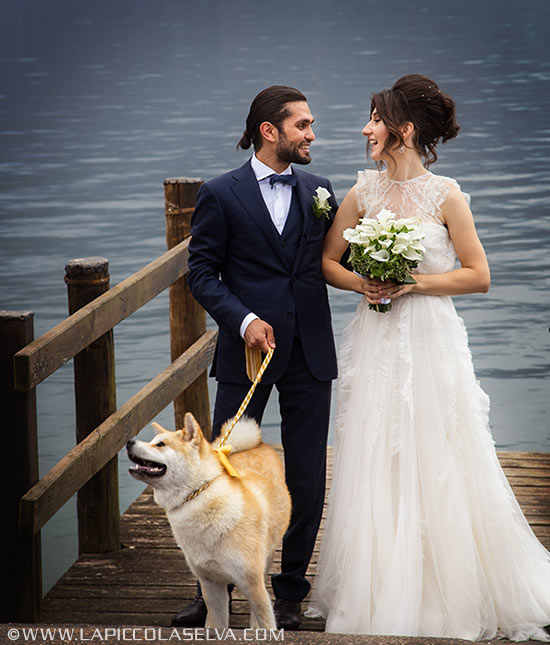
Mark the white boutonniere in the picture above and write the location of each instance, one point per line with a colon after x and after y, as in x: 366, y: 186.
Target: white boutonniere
x: 320, y: 203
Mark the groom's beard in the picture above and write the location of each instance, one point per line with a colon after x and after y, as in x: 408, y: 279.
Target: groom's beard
x: 291, y: 152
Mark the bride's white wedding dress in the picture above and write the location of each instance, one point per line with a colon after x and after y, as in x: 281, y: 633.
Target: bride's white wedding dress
x: 424, y: 536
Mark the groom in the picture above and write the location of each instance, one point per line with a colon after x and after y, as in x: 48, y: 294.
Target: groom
x: 255, y: 266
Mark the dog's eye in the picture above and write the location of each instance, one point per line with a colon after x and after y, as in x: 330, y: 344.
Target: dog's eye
x: 160, y: 444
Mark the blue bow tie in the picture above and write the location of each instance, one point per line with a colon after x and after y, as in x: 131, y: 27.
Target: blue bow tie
x: 289, y: 180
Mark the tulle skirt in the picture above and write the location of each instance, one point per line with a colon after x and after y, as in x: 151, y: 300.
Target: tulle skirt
x: 424, y: 536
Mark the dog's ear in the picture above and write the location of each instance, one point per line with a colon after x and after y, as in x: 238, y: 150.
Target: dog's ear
x: 191, y: 429
x: 158, y: 428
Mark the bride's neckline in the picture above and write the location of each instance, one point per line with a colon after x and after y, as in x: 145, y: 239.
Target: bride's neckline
x: 406, y: 181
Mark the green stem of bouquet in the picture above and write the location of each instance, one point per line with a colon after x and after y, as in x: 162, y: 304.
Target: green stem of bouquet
x: 383, y: 308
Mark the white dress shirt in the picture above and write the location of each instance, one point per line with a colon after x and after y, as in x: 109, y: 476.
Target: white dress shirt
x: 277, y: 198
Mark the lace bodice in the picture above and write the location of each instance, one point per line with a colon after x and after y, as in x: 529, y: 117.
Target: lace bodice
x: 421, y: 197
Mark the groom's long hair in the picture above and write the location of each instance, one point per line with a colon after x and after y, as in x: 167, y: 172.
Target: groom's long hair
x: 268, y: 105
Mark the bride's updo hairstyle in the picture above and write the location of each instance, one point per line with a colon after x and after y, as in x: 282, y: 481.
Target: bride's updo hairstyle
x: 269, y: 105
x: 418, y: 100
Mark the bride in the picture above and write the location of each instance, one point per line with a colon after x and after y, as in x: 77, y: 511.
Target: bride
x: 424, y: 536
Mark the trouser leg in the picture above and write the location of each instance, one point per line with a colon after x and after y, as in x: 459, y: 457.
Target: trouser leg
x: 305, y: 412
x: 229, y: 397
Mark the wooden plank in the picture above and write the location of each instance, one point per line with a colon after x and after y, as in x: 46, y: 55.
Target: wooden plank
x: 168, y: 604
x: 77, y: 593
x: 511, y: 460
x: 523, y: 457
x: 520, y: 481
x: 84, y: 617
x: 138, y: 604
x: 152, y: 590
x: 533, y: 473
x: 42, y: 501
x: 532, y: 492
x: 53, y: 349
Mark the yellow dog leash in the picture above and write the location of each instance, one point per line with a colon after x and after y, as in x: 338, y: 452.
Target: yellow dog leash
x: 252, y: 360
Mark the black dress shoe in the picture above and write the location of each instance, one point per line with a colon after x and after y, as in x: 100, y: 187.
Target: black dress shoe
x: 288, y: 614
x: 192, y: 615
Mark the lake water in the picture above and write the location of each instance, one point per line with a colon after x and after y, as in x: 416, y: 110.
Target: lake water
x: 101, y: 101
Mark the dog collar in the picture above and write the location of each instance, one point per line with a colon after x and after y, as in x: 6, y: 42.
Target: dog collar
x: 196, y: 492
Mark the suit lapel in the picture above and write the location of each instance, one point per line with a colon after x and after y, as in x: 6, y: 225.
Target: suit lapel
x: 247, y: 191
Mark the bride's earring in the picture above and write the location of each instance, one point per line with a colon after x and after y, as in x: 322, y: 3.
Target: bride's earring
x: 402, y: 148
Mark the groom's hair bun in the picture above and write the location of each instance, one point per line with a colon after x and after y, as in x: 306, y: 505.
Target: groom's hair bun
x: 245, y: 141
x: 269, y: 105
x: 417, y: 99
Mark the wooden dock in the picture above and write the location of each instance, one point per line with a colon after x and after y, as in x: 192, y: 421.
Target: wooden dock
x: 148, y: 581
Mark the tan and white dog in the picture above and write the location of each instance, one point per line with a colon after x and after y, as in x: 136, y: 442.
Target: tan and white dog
x: 228, y: 527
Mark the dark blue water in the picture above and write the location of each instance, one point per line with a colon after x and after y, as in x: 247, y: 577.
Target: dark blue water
x: 101, y: 101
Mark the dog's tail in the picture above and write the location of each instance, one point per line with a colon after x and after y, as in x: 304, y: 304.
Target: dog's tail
x: 245, y: 435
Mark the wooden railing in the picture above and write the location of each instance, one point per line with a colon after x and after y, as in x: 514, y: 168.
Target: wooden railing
x: 90, y: 468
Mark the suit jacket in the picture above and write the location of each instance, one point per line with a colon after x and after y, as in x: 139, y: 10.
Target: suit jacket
x: 237, y: 266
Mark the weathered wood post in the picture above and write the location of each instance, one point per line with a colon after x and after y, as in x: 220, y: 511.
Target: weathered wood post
x: 21, y: 564
x: 187, y: 317
x: 95, y: 400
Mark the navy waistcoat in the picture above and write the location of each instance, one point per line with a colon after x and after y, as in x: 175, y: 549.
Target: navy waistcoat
x: 292, y: 232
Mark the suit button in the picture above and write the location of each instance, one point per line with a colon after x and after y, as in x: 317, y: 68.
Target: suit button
x: 293, y: 279
x: 290, y: 315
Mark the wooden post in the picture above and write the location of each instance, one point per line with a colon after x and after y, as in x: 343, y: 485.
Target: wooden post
x: 187, y: 317
x: 21, y: 564
x: 95, y: 399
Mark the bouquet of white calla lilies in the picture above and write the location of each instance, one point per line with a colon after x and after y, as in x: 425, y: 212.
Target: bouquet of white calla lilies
x: 386, y: 248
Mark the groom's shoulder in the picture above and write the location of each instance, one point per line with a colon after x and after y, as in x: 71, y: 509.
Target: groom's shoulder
x: 229, y: 177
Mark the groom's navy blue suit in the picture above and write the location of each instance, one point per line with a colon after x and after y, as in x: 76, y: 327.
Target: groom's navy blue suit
x: 238, y: 264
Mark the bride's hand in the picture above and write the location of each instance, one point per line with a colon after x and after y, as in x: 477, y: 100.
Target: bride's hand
x: 376, y: 290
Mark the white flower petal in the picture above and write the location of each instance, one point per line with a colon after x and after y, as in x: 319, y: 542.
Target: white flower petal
x: 363, y: 238
x: 397, y: 249
x: 417, y: 234
x: 417, y: 246
x: 349, y: 234
x: 385, y: 215
x: 322, y: 193
x: 403, y: 238
x: 381, y: 256
x: 411, y: 254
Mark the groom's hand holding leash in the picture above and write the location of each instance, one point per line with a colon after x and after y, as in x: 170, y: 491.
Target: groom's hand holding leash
x: 259, y: 335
